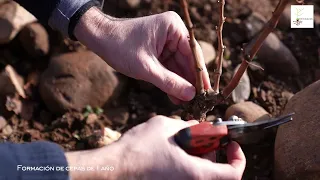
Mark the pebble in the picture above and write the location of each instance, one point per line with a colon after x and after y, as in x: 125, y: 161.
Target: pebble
x: 248, y: 111
x: 35, y: 40
x: 91, y: 118
x: 7, y: 130
x: 242, y: 92
x: 285, y: 19
x: 209, y: 53
x: 13, y: 18
x: 129, y: 4
x: 3, y: 122
x: 254, y: 23
x: 11, y: 82
x: 109, y: 136
x: 118, y: 115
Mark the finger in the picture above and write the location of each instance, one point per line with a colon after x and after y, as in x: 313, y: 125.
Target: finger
x: 186, y: 67
x: 184, y: 48
x: 174, y: 100
x: 171, y: 65
x: 212, y: 170
x: 193, y: 122
x: 233, y: 170
x: 165, y: 55
x: 172, y: 84
x: 236, y: 157
x: 210, y: 156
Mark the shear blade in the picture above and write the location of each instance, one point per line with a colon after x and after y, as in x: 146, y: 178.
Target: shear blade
x: 261, y: 125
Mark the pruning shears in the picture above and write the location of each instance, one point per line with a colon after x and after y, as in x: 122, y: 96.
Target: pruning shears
x: 205, y: 137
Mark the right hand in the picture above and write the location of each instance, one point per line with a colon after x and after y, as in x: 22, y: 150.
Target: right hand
x: 148, y: 151
x: 153, y: 154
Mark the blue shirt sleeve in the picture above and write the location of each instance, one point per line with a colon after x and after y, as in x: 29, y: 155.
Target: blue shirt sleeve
x: 32, y: 161
x: 59, y: 14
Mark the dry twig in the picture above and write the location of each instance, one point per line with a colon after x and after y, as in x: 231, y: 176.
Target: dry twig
x: 206, y: 100
x: 221, y: 48
x: 257, y: 44
x: 199, y: 81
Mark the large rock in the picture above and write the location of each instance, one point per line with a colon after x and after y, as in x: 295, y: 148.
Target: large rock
x: 34, y: 39
x: 13, y: 18
x: 75, y: 80
x: 297, y: 145
x: 209, y: 53
x: 276, y: 56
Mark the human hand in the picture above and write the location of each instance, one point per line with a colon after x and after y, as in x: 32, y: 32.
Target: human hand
x: 148, y: 151
x: 152, y: 48
x: 154, y: 154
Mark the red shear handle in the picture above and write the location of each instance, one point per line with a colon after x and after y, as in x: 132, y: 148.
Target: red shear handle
x: 201, y: 138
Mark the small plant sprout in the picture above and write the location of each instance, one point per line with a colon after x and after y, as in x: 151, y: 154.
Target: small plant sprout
x: 89, y: 110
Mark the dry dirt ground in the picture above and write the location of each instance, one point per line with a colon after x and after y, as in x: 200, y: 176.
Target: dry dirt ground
x: 142, y: 101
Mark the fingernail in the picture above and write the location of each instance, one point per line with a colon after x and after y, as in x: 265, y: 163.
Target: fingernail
x: 188, y: 93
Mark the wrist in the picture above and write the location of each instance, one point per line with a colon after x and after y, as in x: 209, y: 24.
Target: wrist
x: 91, y: 25
x: 94, y: 30
x: 103, y: 163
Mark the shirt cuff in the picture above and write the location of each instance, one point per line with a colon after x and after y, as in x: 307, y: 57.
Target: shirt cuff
x: 40, y: 160
x: 68, y: 12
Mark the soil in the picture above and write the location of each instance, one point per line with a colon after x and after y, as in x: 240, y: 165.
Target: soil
x: 72, y: 130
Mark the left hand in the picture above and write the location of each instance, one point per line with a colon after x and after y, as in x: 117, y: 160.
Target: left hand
x: 152, y: 48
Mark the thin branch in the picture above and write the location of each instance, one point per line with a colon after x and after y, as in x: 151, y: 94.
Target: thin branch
x: 193, y: 42
x: 258, y: 42
x: 221, y: 48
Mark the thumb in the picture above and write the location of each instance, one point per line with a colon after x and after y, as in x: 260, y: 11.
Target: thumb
x: 236, y: 157
x: 172, y: 84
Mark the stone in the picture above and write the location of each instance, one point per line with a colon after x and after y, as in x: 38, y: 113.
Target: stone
x: 248, y: 111
x: 103, y: 137
x: 209, y: 53
x: 297, y: 147
x: 13, y: 18
x: 74, y: 80
x: 129, y: 4
x: 287, y: 95
x: 211, y: 118
x: 285, y: 19
x: 92, y: 118
x: 119, y: 115
x: 11, y: 82
x: 175, y: 117
x: 276, y: 57
x: 3, y: 122
x: 242, y: 92
x: 2, y: 1
x: 254, y: 23
x: 35, y: 40
x: 7, y: 130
